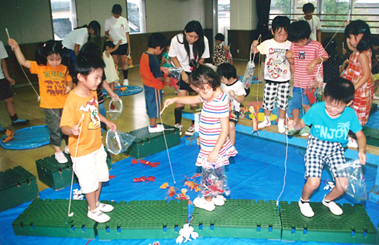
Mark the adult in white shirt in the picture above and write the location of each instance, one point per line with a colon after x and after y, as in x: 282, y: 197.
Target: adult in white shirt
x: 313, y: 21
x: 117, y: 28
x: 191, y: 44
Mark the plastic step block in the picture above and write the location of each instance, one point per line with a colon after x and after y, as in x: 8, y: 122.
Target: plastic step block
x: 353, y: 226
x: 239, y: 218
x: 49, y: 218
x: 147, y: 144
x: 17, y: 186
x: 144, y: 220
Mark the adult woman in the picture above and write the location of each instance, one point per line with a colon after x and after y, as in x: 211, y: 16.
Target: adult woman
x: 116, y: 28
x: 191, y: 44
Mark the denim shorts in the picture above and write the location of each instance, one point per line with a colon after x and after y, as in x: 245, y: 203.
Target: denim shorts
x: 299, y: 98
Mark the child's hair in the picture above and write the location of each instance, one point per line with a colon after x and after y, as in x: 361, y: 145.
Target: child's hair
x: 109, y: 44
x: 359, y: 27
x: 227, y: 70
x: 330, y: 46
x: 299, y: 30
x: 280, y: 22
x: 94, y: 25
x: 199, y: 46
x: 374, y: 41
x: 202, y: 74
x: 50, y: 47
x: 157, y: 40
x: 220, y: 37
x: 308, y: 7
x: 339, y: 89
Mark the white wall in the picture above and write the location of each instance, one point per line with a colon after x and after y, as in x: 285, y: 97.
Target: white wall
x: 243, y: 15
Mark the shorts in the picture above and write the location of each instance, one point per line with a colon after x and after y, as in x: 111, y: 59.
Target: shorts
x: 153, y: 101
x: 52, y: 118
x: 5, y: 89
x: 185, y: 86
x: 91, y: 169
x: 299, y: 98
x: 122, y: 50
x: 320, y: 152
x: 276, y: 91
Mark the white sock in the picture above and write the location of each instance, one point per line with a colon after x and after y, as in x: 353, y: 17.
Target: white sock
x: 267, y: 118
x: 281, y: 121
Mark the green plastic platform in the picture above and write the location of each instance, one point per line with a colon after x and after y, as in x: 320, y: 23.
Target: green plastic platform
x: 372, y: 136
x: 17, y: 186
x: 239, y: 218
x: 144, y: 220
x: 353, y: 226
x: 49, y: 218
x: 147, y: 144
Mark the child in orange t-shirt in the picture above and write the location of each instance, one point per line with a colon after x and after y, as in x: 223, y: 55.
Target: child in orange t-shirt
x: 81, y: 121
x: 54, y: 84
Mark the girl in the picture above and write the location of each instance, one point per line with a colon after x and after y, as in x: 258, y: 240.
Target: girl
x: 214, y: 129
x: 358, y: 71
x: 54, y: 84
x: 78, y: 37
x: 110, y: 68
x: 220, y: 50
x: 191, y: 44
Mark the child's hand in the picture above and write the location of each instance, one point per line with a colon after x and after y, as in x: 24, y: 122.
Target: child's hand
x: 169, y: 102
x: 11, y: 81
x: 311, y: 67
x: 112, y: 125
x: 291, y: 124
x: 120, y: 41
x: 68, y: 89
x: 289, y: 54
x: 165, y: 70
x: 362, y: 157
x: 75, y: 130
x: 212, y: 157
x: 13, y: 43
x: 114, y: 96
x: 254, y: 47
x: 232, y: 93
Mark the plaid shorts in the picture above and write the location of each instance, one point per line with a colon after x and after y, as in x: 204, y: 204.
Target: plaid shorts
x: 273, y: 91
x: 320, y: 152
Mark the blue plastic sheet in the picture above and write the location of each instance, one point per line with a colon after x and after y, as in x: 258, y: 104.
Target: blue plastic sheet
x: 254, y: 80
x: 28, y: 138
x: 129, y: 91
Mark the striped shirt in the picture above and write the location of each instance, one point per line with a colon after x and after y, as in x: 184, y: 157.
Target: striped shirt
x: 303, y: 56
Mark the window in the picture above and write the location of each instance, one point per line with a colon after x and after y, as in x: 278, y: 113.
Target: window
x: 224, y: 18
x: 64, y: 17
x: 136, y: 16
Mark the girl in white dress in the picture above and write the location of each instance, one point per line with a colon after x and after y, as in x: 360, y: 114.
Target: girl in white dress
x: 110, y: 68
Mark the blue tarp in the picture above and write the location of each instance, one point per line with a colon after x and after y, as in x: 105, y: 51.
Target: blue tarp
x: 28, y: 138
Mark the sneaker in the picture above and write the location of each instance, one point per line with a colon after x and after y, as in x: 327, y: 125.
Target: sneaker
x: 219, y: 200
x: 104, y: 207
x: 264, y: 124
x: 159, y: 128
x: 352, y: 143
x: 281, y: 128
x: 67, y: 150
x: 60, y: 157
x: 190, y: 131
x: 126, y: 82
x: 98, y: 216
x: 305, y: 208
x: 306, y: 131
x: 201, y: 203
x: 179, y: 126
x: 117, y: 84
x: 291, y: 132
x: 20, y: 122
x: 333, y: 207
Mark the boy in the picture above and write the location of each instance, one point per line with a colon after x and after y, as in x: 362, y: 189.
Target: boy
x: 331, y: 120
x: 236, y: 94
x: 153, y: 79
x: 277, y: 71
x: 81, y: 121
x: 304, y: 56
x: 313, y: 21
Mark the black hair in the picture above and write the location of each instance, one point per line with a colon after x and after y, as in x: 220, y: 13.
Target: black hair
x: 359, y: 27
x: 109, y: 44
x: 299, y: 30
x: 220, y: 37
x: 308, y: 7
x: 116, y: 9
x: 202, y: 74
x: 280, y: 22
x: 50, y: 47
x: 199, y: 46
x: 330, y: 46
x: 227, y: 70
x: 157, y: 40
x: 94, y: 25
x: 339, y: 89
x: 374, y: 41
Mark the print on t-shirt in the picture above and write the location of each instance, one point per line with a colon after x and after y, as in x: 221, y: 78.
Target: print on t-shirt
x: 301, y: 55
x: 94, y: 115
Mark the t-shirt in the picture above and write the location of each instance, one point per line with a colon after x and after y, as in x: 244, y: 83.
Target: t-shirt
x: 219, y: 54
x: 178, y: 50
x: 315, y: 25
x: 117, y: 29
x: 277, y: 67
x: 331, y: 129
x: 332, y: 68
x: 3, y: 55
x: 150, y: 71
x: 238, y: 89
x: 303, y: 56
x: 168, y: 60
x: 90, y: 136
x: 52, y: 83
x: 78, y: 36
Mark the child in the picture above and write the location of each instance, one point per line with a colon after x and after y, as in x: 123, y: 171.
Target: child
x: 313, y: 21
x: 54, y: 84
x: 215, y: 146
x: 110, y: 68
x: 277, y: 71
x: 153, y: 79
x: 236, y: 94
x: 333, y: 66
x: 81, y: 121
x: 331, y: 120
x: 166, y: 59
x: 358, y: 71
x: 220, y: 50
x: 306, y: 57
